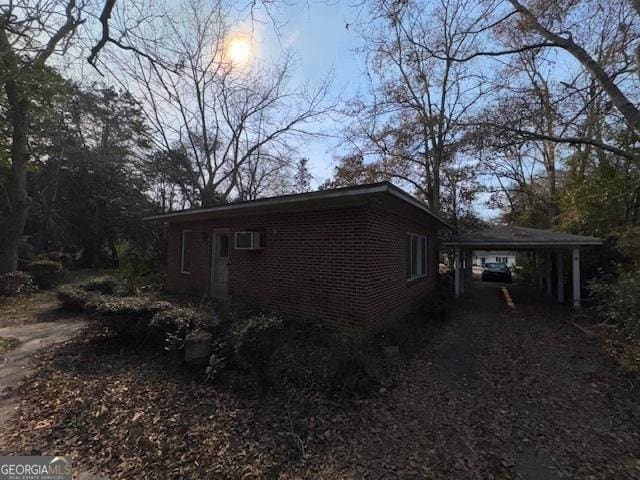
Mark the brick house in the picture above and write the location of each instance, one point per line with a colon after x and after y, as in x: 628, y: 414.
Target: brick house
x: 354, y: 257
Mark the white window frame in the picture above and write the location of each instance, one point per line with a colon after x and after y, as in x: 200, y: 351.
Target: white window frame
x: 422, y: 255
x: 182, y: 270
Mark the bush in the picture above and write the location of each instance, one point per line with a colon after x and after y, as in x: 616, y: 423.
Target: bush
x: 138, y: 308
x: 619, y: 301
x: 67, y: 260
x: 16, y: 282
x: 172, y: 325
x: 311, y: 357
x: 135, y: 268
x: 105, y: 284
x: 299, y: 364
x: 125, y: 315
x: 254, y: 340
x: 45, y: 272
x: 85, y: 295
x: 73, y: 298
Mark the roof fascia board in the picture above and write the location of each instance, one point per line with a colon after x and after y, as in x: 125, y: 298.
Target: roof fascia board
x: 271, y: 202
x: 381, y: 188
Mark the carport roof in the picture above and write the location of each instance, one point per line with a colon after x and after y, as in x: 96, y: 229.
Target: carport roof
x: 520, y: 237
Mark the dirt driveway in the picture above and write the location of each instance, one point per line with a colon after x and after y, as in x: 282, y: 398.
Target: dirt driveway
x: 501, y: 393
x: 539, y: 396
x: 495, y: 393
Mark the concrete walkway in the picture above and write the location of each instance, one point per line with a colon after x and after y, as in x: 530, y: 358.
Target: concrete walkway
x: 14, y: 365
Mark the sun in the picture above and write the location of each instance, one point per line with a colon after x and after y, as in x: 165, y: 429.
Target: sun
x: 239, y: 51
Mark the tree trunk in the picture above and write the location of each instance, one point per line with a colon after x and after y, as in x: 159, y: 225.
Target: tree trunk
x: 12, y: 226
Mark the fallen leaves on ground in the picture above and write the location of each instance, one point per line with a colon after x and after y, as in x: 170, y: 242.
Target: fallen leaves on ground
x: 493, y: 395
x: 28, y: 308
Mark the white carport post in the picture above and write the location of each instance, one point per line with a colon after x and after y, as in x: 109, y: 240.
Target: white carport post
x: 456, y: 266
x: 559, y: 266
x: 576, y: 277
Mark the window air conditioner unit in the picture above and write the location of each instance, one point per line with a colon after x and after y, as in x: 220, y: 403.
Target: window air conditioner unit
x: 248, y: 241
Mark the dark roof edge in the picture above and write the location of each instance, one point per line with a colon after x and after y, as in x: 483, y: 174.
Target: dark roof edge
x: 595, y: 241
x: 382, y: 187
x: 407, y: 197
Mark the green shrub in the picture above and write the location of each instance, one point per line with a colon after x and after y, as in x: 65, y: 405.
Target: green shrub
x: 104, y: 284
x: 254, y: 340
x: 172, y: 325
x: 619, y: 301
x: 134, y: 307
x: 67, y: 260
x: 16, y: 282
x: 313, y: 358
x: 45, y: 272
x: 126, y: 315
x: 72, y: 298
x: 300, y: 364
x: 135, y: 268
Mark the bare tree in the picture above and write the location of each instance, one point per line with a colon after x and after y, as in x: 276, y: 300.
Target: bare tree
x: 264, y: 174
x: 533, y: 20
x: 419, y: 95
x: 550, y: 109
x: 224, y: 116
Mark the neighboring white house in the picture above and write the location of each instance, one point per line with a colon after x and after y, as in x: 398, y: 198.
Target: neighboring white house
x: 480, y: 257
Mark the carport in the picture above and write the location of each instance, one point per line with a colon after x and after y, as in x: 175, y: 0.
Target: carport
x: 545, y: 247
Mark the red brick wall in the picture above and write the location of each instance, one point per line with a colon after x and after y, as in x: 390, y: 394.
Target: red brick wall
x: 308, y: 267
x: 344, y: 266
x: 389, y: 294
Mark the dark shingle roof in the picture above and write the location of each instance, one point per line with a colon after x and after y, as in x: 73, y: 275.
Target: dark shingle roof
x: 511, y: 236
x: 284, y: 201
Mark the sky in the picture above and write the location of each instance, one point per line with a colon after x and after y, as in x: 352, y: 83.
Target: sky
x: 318, y: 35
x: 317, y: 32
x: 323, y: 36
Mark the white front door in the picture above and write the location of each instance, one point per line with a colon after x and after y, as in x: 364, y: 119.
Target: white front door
x: 220, y: 264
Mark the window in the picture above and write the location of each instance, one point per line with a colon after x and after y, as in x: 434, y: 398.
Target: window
x: 416, y: 256
x: 502, y: 259
x: 185, y: 262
